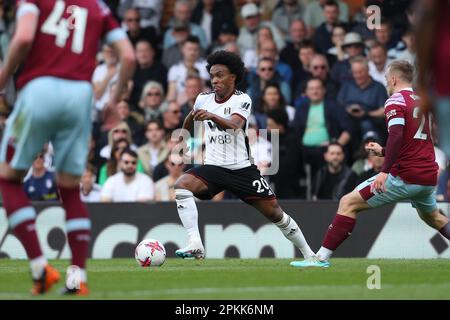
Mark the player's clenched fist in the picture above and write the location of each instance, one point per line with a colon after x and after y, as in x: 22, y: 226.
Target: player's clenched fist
x: 374, y: 148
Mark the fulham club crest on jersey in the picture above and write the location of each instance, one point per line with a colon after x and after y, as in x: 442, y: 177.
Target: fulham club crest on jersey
x: 227, y: 110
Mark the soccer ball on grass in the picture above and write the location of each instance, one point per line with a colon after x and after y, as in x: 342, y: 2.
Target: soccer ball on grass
x: 150, y: 253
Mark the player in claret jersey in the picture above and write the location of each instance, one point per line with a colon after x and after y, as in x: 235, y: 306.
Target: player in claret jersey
x: 409, y: 171
x: 55, y: 44
x: 227, y: 164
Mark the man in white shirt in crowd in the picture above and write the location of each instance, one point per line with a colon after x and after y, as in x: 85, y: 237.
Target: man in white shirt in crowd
x: 128, y: 185
x: 89, y: 190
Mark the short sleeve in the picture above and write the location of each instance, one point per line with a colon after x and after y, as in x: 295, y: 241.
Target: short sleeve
x: 27, y: 6
x: 394, y: 110
x: 243, y: 107
x: 112, y: 32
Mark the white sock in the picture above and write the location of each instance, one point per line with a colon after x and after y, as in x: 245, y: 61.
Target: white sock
x: 37, y: 266
x: 324, y: 253
x: 292, y: 231
x: 83, y: 275
x: 187, y: 210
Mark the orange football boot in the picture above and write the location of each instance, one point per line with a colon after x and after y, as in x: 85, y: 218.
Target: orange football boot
x: 49, y: 277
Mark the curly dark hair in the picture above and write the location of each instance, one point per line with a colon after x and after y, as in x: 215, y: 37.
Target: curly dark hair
x: 231, y: 60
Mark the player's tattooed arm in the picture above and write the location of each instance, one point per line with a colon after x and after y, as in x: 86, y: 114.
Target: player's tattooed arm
x: 235, y: 122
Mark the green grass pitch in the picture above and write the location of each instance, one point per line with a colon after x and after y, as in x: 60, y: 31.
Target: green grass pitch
x: 243, y: 279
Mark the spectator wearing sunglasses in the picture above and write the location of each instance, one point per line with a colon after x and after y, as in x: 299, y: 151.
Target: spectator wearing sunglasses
x: 171, y: 117
x: 128, y: 185
x: 152, y: 100
x: 266, y: 73
x: 319, y: 68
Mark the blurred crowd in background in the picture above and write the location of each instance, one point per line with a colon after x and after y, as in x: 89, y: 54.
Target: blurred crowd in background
x: 314, y: 70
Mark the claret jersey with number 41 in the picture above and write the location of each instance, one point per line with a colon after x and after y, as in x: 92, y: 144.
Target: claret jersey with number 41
x: 67, y: 38
x: 415, y: 162
x: 226, y: 148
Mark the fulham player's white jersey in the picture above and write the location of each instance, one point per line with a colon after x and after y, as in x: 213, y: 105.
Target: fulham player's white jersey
x: 225, y: 147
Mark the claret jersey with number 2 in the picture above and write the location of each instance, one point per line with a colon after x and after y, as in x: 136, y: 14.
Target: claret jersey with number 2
x: 416, y: 160
x: 226, y: 148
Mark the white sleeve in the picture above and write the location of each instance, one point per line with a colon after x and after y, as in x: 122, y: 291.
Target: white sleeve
x: 243, y: 107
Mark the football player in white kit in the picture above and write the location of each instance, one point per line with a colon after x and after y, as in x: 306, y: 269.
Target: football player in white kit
x: 227, y: 163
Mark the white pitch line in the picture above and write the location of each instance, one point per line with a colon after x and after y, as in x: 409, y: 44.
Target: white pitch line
x: 260, y: 289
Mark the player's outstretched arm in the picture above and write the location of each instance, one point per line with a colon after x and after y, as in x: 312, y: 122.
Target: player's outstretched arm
x: 21, y: 43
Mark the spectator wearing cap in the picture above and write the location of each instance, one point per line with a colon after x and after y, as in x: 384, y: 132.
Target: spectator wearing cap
x: 353, y: 47
x: 284, y: 15
x: 289, y: 54
x: 228, y: 33
x: 314, y: 16
x: 378, y: 63
x: 147, y: 68
x: 291, y: 166
x: 323, y: 33
x: 363, y: 98
x: 252, y: 21
x: 191, y: 64
x: 211, y: 15
x: 319, y: 121
x: 183, y: 12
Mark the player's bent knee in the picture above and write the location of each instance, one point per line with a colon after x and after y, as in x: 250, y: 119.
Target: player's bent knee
x: 351, y: 203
